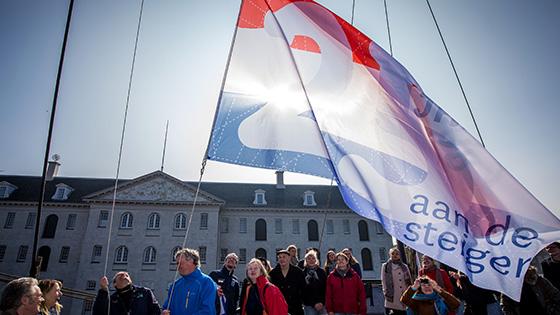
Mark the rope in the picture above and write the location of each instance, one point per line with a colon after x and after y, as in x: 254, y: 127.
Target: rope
x: 456, y: 75
x: 328, y: 206
x: 353, y: 7
x: 204, y: 160
x: 388, y: 28
x: 121, y: 146
x: 203, y: 166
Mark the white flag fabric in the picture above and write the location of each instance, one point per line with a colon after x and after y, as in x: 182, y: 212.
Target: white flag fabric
x: 307, y: 92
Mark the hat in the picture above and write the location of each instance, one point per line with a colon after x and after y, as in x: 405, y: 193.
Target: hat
x: 282, y: 251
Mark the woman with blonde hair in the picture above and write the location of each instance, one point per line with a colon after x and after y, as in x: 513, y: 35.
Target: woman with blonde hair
x: 258, y: 295
x: 51, y: 293
x: 315, y: 285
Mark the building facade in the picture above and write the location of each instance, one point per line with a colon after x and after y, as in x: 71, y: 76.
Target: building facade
x: 82, y: 233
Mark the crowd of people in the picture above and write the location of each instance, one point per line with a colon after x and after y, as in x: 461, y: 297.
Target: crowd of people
x: 299, y: 287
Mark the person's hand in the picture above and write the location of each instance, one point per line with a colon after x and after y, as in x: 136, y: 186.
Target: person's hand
x: 318, y: 307
x: 436, y: 287
x: 166, y: 312
x: 454, y: 275
x: 331, y: 313
x: 416, y: 284
x: 220, y: 291
x: 104, y: 283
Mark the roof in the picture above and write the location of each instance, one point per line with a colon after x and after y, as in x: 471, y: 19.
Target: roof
x: 236, y: 195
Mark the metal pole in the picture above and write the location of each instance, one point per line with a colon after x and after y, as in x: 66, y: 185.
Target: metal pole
x: 34, y: 268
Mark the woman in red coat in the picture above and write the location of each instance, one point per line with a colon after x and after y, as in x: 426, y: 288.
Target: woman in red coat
x: 345, y: 290
x: 258, y: 295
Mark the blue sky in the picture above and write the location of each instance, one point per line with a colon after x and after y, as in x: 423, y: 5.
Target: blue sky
x: 506, y: 53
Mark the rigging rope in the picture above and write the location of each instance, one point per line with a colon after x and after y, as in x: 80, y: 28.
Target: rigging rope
x: 456, y: 75
x: 388, y: 28
x: 121, y: 146
x: 353, y: 7
x: 204, y: 160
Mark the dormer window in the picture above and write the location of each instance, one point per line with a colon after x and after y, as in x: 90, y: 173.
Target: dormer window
x: 309, y: 199
x: 259, y: 197
x: 6, y: 189
x: 62, y: 192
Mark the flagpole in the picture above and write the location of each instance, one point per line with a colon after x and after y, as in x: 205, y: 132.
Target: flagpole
x: 33, y: 271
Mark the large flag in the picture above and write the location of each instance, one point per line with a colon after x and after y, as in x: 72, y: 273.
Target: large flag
x: 307, y: 92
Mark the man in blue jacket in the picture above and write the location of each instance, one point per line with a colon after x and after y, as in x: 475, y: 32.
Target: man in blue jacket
x: 228, y: 285
x: 194, y: 292
x: 128, y: 299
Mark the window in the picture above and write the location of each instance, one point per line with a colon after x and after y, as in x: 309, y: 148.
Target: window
x: 180, y: 221
x: 242, y: 255
x: 150, y: 255
x: 295, y: 226
x: 312, y: 231
x: 309, y: 199
x: 330, y: 227
x: 378, y: 228
x: 260, y: 253
x: 121, y: 255
x: 103, y: 218
x: 90, y: 285
x: 366, y: 259
x: 6, y: 189
x: 382, y: 254
x: 2, y: 252
x: 96, y: 253
x: 346, y: 226
x: 202, y: 254
x: 173, y: 253
x: 62, y: 192
x: 87, y: 307
x: 126, y: 221
x: 363, y: 230
x: 153, y: 221
x: 22, y: 253
x: 225, y: 225
x: 30, y: 222
x: 223, y: 254
x: 10, y: 218
x: 71, y: 221
x: 44, y: 253
x: 50, y: 226
x: 243, y: 225
x: 260, y: 230
x: 204, y: 221
x: 259, y: 197
x: 278, y: 226
x: 64, y: 253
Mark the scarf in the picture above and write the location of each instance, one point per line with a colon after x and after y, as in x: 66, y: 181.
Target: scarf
x: 311, y: 275
x: 387, y: 270
x: 439, y: 303
x: 125, y: 294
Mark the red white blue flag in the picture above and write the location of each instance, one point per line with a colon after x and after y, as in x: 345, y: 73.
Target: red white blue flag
x: 307, y: 92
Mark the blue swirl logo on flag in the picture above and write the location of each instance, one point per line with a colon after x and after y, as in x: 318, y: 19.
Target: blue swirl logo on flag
x: 307, y: 92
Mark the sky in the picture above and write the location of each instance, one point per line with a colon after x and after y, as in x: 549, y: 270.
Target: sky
x: 505, y: 51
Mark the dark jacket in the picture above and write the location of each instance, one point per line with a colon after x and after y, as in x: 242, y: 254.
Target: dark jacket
x: 551, y: 271
x: 315, y: 286
x: 143, y: 302
x: 345, y: 294
x: 230, y: 287
x: 540, y: 298
x: 291, y: 286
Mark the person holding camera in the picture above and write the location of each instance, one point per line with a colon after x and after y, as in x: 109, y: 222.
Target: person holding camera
x: 426, y: 297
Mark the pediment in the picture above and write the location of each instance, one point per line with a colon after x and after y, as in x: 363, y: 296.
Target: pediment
x: 156, y: 187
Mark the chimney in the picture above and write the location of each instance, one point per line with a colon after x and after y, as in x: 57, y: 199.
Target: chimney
x: 280, y: 180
